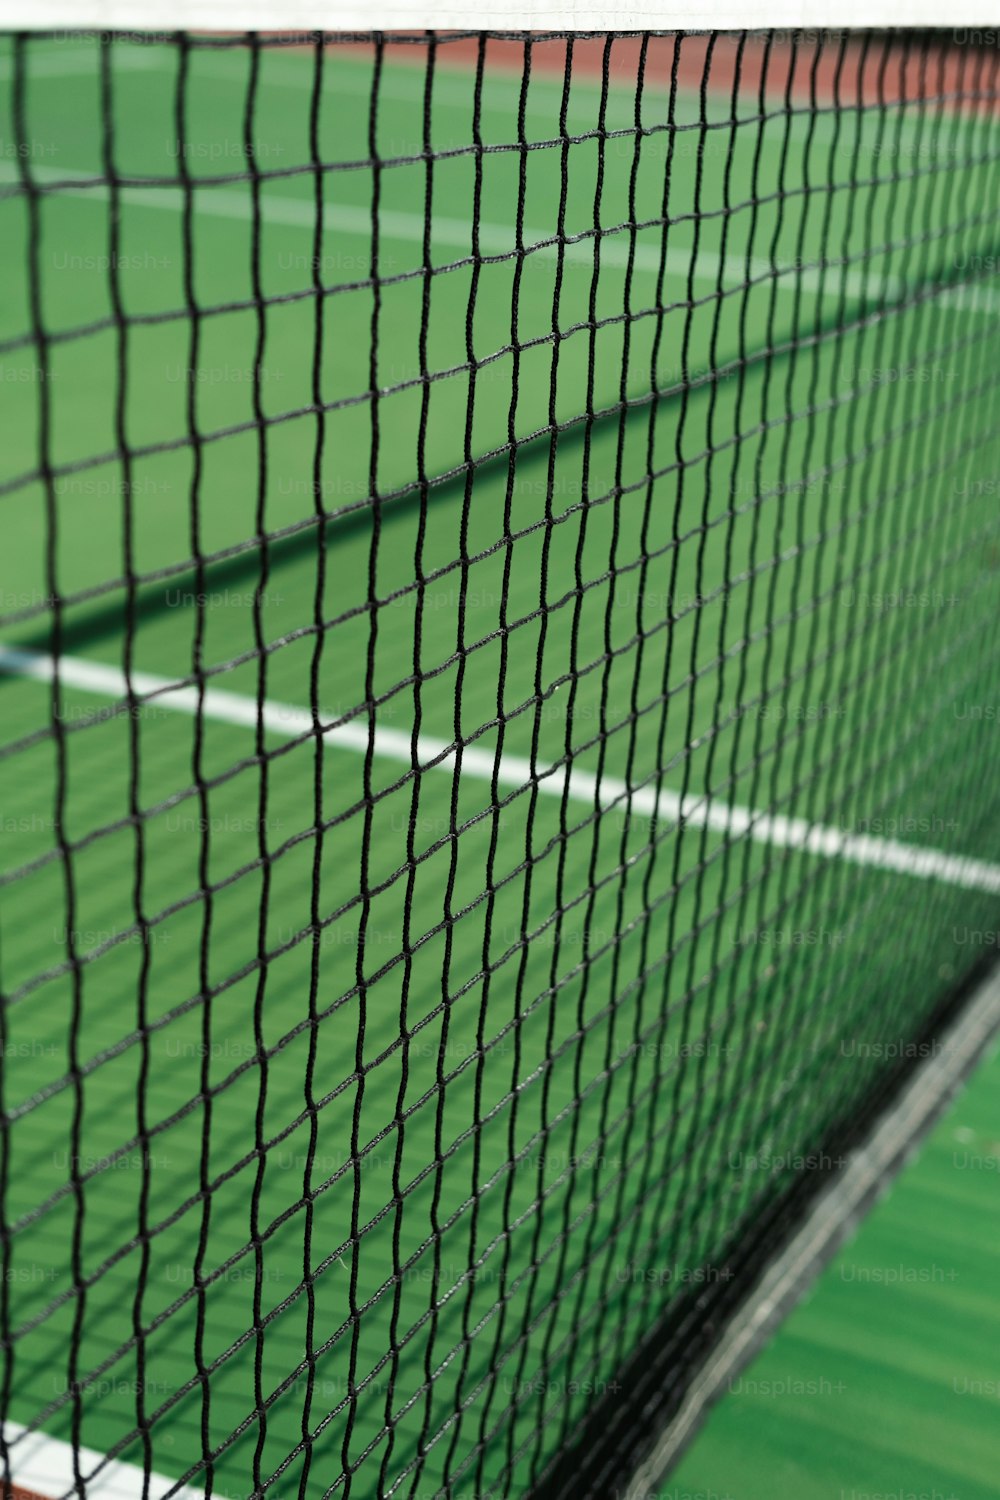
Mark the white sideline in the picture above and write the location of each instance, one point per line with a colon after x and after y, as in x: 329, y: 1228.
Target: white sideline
x: 515, y: 771
x: 44, y: 1465
x: 498, y: 239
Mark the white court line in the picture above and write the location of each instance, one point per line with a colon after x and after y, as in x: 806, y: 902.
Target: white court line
x: 498, y: 239
x: 45, y: 1465
x: 456, y: 234
x: 514, y: 771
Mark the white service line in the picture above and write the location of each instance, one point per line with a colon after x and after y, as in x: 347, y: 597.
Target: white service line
x: 498, y: 239
x: 45, y: 1465
x: 516, y: 771
x: 394, y: 224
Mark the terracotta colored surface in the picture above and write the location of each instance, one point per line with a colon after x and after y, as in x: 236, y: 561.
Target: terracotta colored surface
x: 890, y: 72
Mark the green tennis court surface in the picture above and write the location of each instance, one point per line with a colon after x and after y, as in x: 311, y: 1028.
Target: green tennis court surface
x: 359, y: 1148
x: 884, y: 1382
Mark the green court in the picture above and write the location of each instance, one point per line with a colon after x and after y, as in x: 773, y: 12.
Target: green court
x: 884, y: 1382
x: 373, y: 1096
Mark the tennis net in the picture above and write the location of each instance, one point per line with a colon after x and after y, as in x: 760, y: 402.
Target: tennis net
x: 499, y: 769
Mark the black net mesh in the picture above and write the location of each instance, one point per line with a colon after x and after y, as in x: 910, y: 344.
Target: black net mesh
x: 499, y: 766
